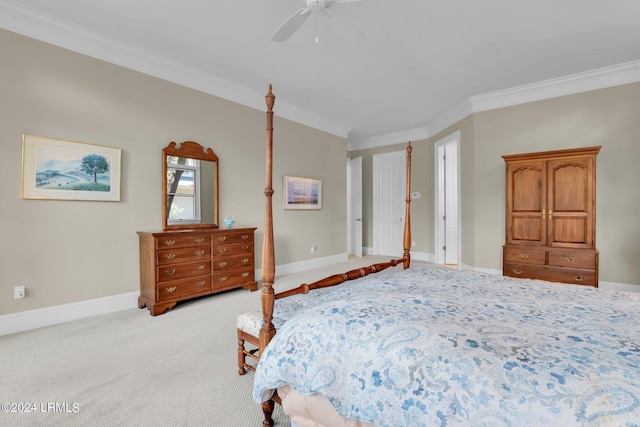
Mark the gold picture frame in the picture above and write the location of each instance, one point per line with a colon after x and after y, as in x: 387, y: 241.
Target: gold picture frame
x: 301, y: 193
x: 56, y: 169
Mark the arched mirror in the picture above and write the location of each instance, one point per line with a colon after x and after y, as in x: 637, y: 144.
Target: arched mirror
x: 190, y: 187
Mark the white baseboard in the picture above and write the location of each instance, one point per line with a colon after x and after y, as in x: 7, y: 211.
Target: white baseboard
x: 48, y: 316
x: 296, y: 267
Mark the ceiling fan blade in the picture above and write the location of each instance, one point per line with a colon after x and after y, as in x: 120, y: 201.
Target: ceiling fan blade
x: 291, y: 25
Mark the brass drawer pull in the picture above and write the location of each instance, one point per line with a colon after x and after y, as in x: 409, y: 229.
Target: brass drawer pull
x: 169, y: 242
x: 245, y: 260
x: 222, y: 264
x: 223, y: 279
x: 222, y: 238
x: 170, y: 272
x: 245, y: 236
x: 223, y: 250
x: 515, y: 270
x: 200, y: 267
x: 199, y: 253
x: 245, y: 274
x: 570, y: 259
x: 200, y: 283
x: 200, y: 240
x: 524, y: 256
x: 170, y: 289
x: 170, y: 256
x: 245, y: 248
x: 578, y: 278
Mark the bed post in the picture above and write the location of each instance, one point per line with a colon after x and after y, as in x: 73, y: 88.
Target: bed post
x: 267, y: 331
x: 407, y: 217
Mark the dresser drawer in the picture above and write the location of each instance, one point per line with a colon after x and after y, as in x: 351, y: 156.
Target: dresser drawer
x: 224, y: 251
x: 178, y: 288
x: 178, y: 240
x: 181, y: 271
x: 231, y: 238
x: 230, y: 263
x: 552, y: 274
x: 179, y: 256
x: 573, y: 259
x: 228, y: 279
x: 525, y: 255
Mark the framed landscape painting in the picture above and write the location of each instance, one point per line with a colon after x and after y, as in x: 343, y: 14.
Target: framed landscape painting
x: 56, y: 169
x: 302, y: 193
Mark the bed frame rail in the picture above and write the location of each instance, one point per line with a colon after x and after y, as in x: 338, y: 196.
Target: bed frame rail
x: 337, y: 279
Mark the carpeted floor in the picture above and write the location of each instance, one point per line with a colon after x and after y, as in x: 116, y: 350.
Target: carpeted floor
x: 131, y: 369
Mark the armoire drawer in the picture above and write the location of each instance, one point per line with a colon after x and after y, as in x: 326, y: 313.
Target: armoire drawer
x: 573, y: 259
x: 577, y: 276
x: 525, y: 255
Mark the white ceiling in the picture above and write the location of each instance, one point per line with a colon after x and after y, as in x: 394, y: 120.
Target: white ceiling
x: 382, y: 68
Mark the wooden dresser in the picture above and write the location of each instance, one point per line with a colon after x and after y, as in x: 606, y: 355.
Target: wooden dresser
x: 179, y: 265
x: 550, y: 216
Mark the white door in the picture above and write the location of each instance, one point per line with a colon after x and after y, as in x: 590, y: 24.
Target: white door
x: 354, y: 206
x: 451, y: 204
x: 389, y: 193
x: 447, y: 200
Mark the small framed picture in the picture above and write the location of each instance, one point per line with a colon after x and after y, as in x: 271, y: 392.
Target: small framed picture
x: 55, y: 169
x: 302, y: 193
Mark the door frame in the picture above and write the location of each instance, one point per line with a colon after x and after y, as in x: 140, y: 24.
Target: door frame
x: 354, y: 200
x: 439, y: 146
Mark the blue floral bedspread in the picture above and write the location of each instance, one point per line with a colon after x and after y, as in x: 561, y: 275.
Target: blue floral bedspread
x: 436, y: 347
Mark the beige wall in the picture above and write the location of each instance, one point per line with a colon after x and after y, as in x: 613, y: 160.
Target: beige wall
x: 67, y: 251
x: 606, y: 117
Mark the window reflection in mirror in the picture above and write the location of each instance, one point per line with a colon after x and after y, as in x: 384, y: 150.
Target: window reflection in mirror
x: 183, y: 190
x: 190, y: 186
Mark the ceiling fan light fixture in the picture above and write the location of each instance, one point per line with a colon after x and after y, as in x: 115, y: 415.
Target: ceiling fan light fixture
x: 296, y: 20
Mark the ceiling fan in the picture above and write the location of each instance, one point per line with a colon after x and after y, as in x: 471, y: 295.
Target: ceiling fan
x: 296, y: 20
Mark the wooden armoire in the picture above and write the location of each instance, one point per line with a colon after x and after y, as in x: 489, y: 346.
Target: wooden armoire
x: 551, y: 216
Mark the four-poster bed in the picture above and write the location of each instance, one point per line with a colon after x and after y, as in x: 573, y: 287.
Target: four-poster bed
x: 432, y: 346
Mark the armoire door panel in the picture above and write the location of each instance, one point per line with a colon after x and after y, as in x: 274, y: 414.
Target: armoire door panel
x: 569, y: 185
x: 527, y: 190
x: 569, y: 230
x: 527, y: 230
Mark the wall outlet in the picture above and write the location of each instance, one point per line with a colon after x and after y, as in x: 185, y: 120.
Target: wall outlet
x: 18, y: 292
x: 313, y: 248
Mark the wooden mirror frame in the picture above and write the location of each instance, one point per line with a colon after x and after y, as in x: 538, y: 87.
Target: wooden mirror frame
x: 193, y: 150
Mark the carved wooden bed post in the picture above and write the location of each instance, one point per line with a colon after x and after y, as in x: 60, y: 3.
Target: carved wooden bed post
x: 267, y: 331
x: 407, y: 216
x: 268, y: 296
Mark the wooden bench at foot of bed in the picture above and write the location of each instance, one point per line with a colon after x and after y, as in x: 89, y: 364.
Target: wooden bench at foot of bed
x: 248, y: 327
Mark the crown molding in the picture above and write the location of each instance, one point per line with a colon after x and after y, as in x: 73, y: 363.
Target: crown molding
x: 452, y: 116
x: 615, y: 75
x: 388, y: 139
x: 32, y: 23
